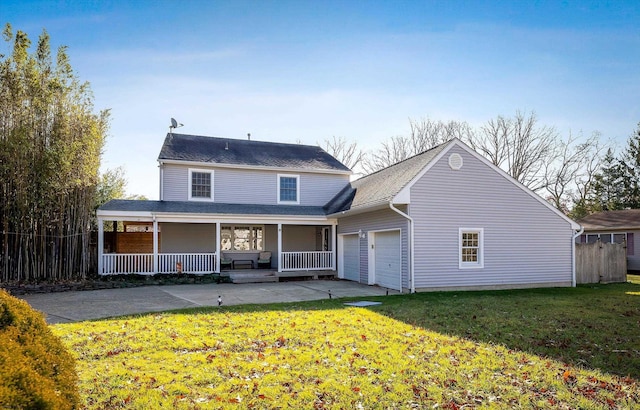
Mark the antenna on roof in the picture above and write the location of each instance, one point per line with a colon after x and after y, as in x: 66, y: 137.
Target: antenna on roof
x: 249, y: 136
x: 174, y: 124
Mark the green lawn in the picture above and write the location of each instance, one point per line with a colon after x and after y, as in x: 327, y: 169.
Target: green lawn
x: 560, y: 348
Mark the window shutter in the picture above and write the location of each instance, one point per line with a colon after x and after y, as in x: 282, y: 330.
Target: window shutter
x: 630, y: 244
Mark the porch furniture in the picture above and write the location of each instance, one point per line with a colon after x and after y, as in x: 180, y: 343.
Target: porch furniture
x: 242, y: 262
x: 264, y: 260
x: 225, y: 262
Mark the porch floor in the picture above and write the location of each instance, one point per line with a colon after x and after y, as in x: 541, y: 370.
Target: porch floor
x: 268, y: 275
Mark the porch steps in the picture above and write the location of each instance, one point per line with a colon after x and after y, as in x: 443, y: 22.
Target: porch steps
x: 249, y: 276
x: 252, y: 277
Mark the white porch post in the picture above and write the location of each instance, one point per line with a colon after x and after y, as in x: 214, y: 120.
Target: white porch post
x: 155, y: 245
x: 218, y: 247
x: 279, y: 247
x: 334, y: 253
x: 100, y: 244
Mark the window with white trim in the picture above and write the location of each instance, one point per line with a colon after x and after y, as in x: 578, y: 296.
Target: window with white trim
x: 471, y: 247
x: 242, y: 237
x: 607, y: 237
x: 288, y: 189
x: 200, y: 185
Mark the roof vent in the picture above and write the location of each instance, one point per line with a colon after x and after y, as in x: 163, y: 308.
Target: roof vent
x: 226, y: 147
x: 455, y: 161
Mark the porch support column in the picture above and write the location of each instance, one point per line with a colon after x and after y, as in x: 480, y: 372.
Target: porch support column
x: 334, y: 253
x: 218, y: 247
x: 279, y: 247
x: 100, y: 245
x: 155, y: 245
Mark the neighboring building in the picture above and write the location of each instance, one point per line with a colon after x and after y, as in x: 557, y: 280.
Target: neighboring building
x: 614, y: 227
x: 443, y: 219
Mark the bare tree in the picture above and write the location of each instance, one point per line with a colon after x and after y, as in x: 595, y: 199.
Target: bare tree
x: 520, y: 147
x: 394, y: 150
x: 347, y: 153
x: 427, y: 133
x: 569, y: 180
x: 424, y: 135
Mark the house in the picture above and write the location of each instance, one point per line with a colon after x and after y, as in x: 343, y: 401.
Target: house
x: 614, y: 227
x: 231, y: 198
x: 443, y: 219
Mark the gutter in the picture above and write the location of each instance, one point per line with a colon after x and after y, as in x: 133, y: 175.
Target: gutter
x: 412, y: 287
x: 573, y: 259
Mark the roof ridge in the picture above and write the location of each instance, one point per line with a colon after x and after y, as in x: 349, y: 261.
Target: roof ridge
x: 247, y: 140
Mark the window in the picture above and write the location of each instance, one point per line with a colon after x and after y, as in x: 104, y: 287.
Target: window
x: 471, y: 248
x: 200, y: 185
x: 288, y: 189
x: 606, y: 237
x: 241, y: 238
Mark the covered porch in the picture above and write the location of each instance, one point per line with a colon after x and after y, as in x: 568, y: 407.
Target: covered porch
x: 151, y: 243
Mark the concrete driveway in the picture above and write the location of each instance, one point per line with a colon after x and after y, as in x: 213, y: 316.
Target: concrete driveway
x: 64, y: 307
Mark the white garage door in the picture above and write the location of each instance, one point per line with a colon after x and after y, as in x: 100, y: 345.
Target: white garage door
x: 387, y: 259
x: 351, y: 257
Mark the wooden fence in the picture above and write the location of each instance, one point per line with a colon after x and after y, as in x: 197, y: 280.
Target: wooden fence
x: 601, y: 262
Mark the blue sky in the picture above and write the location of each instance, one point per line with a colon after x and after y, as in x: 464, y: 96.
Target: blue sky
x: 304, y: 71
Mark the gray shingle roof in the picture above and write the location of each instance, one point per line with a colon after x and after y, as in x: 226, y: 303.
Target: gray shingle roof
x: 622, y: 219
x: 382, y: 186
x: 209, y: 208
x: 230, y: 151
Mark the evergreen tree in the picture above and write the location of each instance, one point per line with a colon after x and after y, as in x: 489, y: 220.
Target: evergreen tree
x: 630, y: 169
x: 608, y: 186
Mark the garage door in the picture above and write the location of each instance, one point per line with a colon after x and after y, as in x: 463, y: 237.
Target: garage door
x: 387, y: 259
x: 351, y: 257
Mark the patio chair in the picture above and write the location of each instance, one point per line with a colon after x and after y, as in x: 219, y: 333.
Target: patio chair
x: 264, y: 260
x: 225, y: 262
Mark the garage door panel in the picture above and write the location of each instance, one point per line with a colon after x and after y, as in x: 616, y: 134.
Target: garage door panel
x: 387, y: 259
x: 351, y: 257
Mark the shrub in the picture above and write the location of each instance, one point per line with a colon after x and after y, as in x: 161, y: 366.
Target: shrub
x: 37, y: 371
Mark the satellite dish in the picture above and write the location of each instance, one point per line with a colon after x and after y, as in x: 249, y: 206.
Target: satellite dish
x: 174, y: 124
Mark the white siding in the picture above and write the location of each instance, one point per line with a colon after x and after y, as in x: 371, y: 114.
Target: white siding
x: 373, y: 221
x: 525, y: 243
x: 240, y: 186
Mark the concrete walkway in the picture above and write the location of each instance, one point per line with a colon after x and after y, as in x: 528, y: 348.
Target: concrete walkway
x: 64, y: 307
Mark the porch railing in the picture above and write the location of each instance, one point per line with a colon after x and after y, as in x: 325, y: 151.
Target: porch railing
x: 142, y: 263
x: 187, y: 262
x: 315, y: 260
x: 115, y: 263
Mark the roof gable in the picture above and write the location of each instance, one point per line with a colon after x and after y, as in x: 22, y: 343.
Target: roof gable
x: 382, y: 186
x: 247, y: 153
x: 392, y: 184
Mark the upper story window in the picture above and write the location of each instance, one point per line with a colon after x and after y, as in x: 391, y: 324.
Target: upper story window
x: 200, y: 184
x: 288, y: 189
x: 471, y: 248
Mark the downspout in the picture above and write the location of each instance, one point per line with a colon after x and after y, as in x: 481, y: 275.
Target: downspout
x: 412, y: 287
x: 573, y: 259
